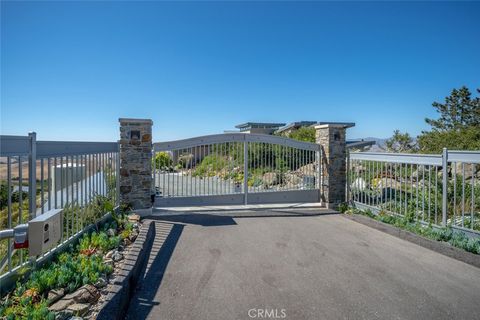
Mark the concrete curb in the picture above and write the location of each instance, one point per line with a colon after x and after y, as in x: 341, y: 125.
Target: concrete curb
x: 120, y: 292
x: 437, y: 246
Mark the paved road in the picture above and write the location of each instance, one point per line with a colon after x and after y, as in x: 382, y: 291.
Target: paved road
x: 215, y: 266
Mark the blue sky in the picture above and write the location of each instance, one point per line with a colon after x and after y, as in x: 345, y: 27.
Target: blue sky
x: 69, y: 70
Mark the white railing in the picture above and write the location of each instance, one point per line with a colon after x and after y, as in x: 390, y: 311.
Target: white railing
x: 443, y: 190
x: 38, y: 176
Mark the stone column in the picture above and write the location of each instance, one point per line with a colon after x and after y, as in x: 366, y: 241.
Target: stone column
x: 136, y: 163
x: 332, y: 138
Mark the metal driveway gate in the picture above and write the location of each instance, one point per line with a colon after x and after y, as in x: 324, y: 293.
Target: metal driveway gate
x: 210, y: 170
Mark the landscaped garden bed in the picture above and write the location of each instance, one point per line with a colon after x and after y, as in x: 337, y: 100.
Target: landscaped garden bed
x: 73, y: 283
x: 455, y: 238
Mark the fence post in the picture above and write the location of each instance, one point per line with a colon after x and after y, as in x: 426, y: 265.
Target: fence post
x: 444, y: 186
x: 32, y: 176
x: 136, y: 164
x: 245, y: 170
x: 332, y: 139
x: 319, y: 182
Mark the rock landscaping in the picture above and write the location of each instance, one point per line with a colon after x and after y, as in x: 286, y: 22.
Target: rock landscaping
x: 75, y: 283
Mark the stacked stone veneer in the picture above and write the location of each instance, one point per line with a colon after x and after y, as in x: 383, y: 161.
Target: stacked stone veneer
x: 332, y: 139
x: 136, y: 162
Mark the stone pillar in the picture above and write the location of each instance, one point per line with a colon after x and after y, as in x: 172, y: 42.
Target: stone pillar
x: 332, y: 138
x: 136, y: 163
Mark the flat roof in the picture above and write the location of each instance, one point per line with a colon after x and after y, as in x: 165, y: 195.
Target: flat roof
x: 295, y: 124
x: 345, y: 125
x: 360, y: 143
x: 259, y: 125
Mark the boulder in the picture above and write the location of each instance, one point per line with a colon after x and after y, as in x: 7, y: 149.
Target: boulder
x: 108, y: 262
x: 293, y: 179
x: 61, y: 304
x: 359, y: 184
x: 134, y: 218
x: 384, y: 183
x: 133, y: 235
x: 358, y: 169
x: 307, y: 169
x: 467, y: 168
x: 54, y: 295
x: 85, y: 294
x: 270, y: 178
x: 79, y: 309
x: 110, y: 232
x: 63, y: 314
x: 109, y: 254
x: 101, y: 282
x: 117, y: 256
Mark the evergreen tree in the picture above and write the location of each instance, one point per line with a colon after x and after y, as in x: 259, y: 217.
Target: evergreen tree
x: 458, y: 126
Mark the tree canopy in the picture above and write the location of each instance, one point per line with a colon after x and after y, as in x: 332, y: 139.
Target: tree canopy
x: 401, y: 142
x: 303, y: 134
x: 458, y: 125
x: 458, y: 112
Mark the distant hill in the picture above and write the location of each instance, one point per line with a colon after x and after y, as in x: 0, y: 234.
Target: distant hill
x: 379, y: 144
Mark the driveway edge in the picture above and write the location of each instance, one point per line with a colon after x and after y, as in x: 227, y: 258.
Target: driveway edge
x: 440, y: 247
x: 118, y: 298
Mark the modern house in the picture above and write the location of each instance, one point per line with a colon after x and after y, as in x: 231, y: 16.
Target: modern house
x: 286, y: 129
x: 259, y: 127
x: 195, y: 155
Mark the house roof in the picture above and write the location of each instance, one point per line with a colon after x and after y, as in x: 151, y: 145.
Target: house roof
x: 345, y: 125
x: 259, y: 125
x: 296, y: 125
x: 359, y: 143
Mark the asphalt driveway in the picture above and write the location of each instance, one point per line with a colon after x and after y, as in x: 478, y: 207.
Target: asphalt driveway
x: 292, y: 265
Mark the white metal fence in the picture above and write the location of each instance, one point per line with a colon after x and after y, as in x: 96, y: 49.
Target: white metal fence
x: 441, y: 189
x: 37, y: 176
x: 236, y: 168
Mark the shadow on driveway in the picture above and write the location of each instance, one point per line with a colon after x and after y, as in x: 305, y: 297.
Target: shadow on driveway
x: 167, y: 232
x: 226, y: 218
x: 166, y: 237
x: 204, y: 219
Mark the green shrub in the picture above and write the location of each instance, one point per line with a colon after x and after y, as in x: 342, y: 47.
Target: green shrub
x: 455, y: 238
x: 459, y: 239
x: 163, y: 160
x: 343, y: 207
x: 70, y: 270
x: 473, y: 245
x: 210, y: 166
x: 25, y: 309
x: 125, y: 234
x: 99, y: 241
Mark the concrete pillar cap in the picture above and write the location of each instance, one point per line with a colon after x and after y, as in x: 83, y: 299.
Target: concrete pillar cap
x: 324, y: 125
x: 133, y: 120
